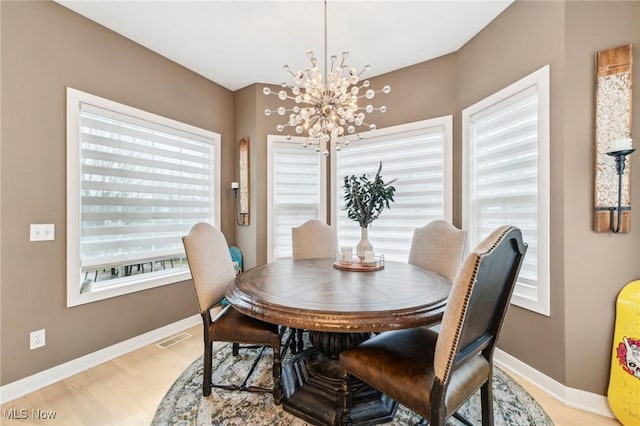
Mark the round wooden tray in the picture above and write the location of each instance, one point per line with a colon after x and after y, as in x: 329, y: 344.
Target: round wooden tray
x: 358, y: 267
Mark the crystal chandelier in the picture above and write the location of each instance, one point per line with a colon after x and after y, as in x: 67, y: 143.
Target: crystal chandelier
x: 326, y: 104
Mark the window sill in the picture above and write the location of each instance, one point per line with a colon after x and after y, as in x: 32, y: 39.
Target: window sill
x: 140, y: 283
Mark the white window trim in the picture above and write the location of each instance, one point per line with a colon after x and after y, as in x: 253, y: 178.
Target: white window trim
x: 539, y: 303
x: 139, y: 282
x: 445, y: 121
x: 294, y: 141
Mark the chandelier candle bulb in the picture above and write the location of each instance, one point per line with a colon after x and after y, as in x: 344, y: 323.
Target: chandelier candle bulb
x: 621, y: 144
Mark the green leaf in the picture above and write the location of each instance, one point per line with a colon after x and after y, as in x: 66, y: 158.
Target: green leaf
x: 365, y: 198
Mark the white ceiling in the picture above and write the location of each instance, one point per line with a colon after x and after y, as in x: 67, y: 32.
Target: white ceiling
x: 238, y: 43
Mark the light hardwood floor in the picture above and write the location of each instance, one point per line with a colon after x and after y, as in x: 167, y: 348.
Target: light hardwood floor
x: 127, y: 390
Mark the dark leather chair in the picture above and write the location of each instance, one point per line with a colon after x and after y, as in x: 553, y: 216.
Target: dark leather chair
x: 434, y: 373
x: 212, y: 270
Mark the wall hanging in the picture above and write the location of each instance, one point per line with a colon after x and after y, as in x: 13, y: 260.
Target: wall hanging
x: 241, y: 189
x: 613, y: 143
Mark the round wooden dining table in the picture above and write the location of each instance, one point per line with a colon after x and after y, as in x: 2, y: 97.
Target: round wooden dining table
x: 340, y: 308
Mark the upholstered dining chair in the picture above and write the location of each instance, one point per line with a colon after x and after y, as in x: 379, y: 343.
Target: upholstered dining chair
x: 212, y: 269
x: 434, y: 373
x: 439, y: 247
x: 313, y: 239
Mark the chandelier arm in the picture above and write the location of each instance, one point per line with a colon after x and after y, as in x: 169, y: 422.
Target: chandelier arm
x: 364, y: 108
x: 344, y: 56
x: 286, y: 68
x: 312, y: 120
x: 370, y: 126
x: 277, y: 94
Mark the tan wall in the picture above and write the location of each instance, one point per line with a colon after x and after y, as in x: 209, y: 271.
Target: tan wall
x: 245, y: 126
x: 420, y: 92
x: 573, y: 345
x: 527, y: 36
x: 45, y: 48
x: 264, y: 126
x: 251, y: 103
x: 597, y: 266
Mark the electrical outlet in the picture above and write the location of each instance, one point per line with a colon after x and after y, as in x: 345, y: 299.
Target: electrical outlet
x: 37, y: 339
x: 42, y: 232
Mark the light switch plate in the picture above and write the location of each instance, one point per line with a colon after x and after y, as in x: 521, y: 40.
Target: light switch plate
x: 42, y: 232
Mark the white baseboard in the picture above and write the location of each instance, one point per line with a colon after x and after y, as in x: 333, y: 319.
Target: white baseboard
x: 52, y: 375
x: 575, y: 398
x: 585, y: 401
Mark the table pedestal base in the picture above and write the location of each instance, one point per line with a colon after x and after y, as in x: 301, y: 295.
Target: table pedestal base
x: 312, y: 390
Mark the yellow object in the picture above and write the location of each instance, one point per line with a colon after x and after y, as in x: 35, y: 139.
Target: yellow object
x: 624, y: 382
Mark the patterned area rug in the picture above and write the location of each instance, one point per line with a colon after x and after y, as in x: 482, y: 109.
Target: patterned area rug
x: 184, y: 404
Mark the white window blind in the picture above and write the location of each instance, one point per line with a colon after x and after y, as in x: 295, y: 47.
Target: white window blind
x: 505, y: 177
x: 418, y: 155
x: 296, y: 191
x: 143, y: 186
x: 136, y: 183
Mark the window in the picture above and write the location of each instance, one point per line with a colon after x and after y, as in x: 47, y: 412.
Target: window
x: 419, y: 156
x: 505, y: 174
x: 296, y: 185
x: 136, y: 183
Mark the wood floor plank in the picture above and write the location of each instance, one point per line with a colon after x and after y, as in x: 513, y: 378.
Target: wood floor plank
x: 127, y: 390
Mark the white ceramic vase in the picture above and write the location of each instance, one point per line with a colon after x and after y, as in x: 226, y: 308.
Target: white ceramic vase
x: 364, y: 244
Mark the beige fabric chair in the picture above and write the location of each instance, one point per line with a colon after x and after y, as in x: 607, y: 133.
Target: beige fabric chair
x: 434, y: 373
x: 212, y: 270
x: 439, y: 247
x: 314, y: 239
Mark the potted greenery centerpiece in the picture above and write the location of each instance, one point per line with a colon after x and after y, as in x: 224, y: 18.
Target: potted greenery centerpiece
x: 366, y: 198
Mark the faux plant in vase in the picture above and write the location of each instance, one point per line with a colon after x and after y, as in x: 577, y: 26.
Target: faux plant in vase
x: 365, y: 199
